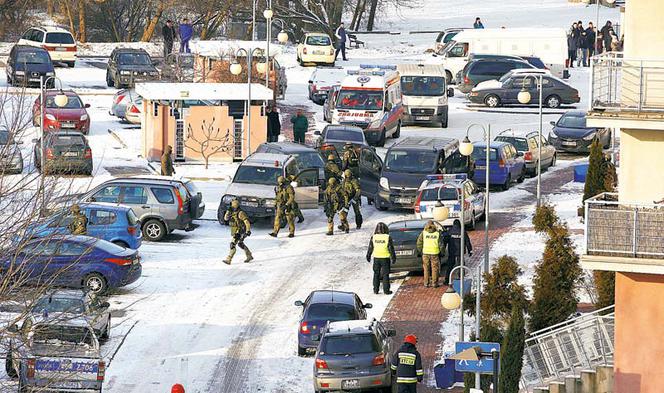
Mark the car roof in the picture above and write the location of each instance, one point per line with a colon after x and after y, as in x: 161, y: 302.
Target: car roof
x: 267, y: 159
x: 290, y: 147
x: 66, y: 293
x: 329, y: 296
x: 52, y: 29
x: 73, y: 321
x: 493, y: 144
x: 405, y: 224
x: 519, y: 71
x: 425, y: 143
x: 162, y: 177
x: 351, y: 326
x: 67, y: 92
x: 127, y: 49
x: 339, y: 127
x: 575, y: 113
x: 140, y: 180
x: 318, y: 33
x: 65, y: 132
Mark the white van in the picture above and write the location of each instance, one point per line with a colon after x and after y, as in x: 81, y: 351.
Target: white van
x: 550, y: 45
x: 370, y: 98
x: 424, y: 93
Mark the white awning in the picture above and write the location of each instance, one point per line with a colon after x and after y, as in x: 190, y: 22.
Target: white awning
x: 203, y: 91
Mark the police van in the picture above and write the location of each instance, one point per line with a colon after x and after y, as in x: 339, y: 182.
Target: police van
x: 424, y: 94
x: 445, y: 190
x: 370, y: 98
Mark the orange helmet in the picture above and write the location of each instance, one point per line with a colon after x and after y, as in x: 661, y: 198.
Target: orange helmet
x: 411, y: 338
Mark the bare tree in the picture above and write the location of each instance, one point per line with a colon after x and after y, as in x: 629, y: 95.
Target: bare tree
x: 209, y: 142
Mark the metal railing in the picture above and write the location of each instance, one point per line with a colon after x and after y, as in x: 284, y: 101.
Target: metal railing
x: 623, y: 84
x: 622, y: 229
x: 567, y: 348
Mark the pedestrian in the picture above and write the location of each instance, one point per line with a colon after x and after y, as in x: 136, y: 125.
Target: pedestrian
x: 79, y: 225
x: 407, y: 364
x: 591, y: 37
x: 572, y: 42
x: 168, y: 33
x: 582, y: 45
x: 381, y: 249
x: 431, y: 246
x: 273, y: 124
x: 599, y: 44
x: 284, y: 207
x: 177, y: 388
x: 341, y: 42
x: 167, y: 168
x: 454, y: 245
x: 350, y: 159
x: 333, y: 204
x: 606, y: 34
x: 332, y: 169
x: 300, y: 126
x: 186, y: 32
x: 353, y: 196
x: 478, y: 24
x: 240, y: 230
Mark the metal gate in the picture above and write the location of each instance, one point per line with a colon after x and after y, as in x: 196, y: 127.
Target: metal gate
x: 237, y: 138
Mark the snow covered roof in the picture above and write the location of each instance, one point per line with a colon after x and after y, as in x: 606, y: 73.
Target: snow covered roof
x: 421, y: 69
x: 202, y: 91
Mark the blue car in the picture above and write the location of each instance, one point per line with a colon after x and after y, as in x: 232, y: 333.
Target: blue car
x: 505, y: 164
x: 74, y: 262
x: 322, y: 307
x: 115, y: 223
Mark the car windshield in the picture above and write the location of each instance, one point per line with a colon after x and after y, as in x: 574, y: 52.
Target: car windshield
x: 73, y: 102
x: 506, y: 77
x: 61, y: 305
x: 440, y: 193
x: 257, y: 175
x: 449, y: 37
x: 345, y: 134
x: 430, y: 86
x: 319, y: 40
x: 479, y: 154
x: 59, y: 38
x: 309, y: 160
x: 400, y: 236
x: 331, y: 312
x: 536, y: 62
x: 32, y: 57
x: 55, y: 333
x: 67, y: 140
x: 360, y: 100
x: 342, y: 345
x: 572, y: 121
x: 411, y: 161
x: 520, y: 143
x: 5, y: 138
x: 108, y: 247
x: 134, y: 59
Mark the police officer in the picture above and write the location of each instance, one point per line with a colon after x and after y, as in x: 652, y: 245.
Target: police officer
x: 454, y: 246
x: 79, y: 225
x: 332, y: 169
x: 352, y: 195
x: 334, y: 200
x: 381, y: 250
x: 296, y: 207
x: 284, y: 207
x: 431, y: 244
x: 350, y: 159
x: 240, y: 230
x: 407, y: 363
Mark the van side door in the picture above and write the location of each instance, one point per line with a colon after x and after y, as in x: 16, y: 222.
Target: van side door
x: 306, y: 189
x: 371, y: 167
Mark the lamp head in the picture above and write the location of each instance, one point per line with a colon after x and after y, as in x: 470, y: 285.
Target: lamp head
x: 450, y: 299
x: 268, y: 14
x: 236, y: 68
x: 466, y: 147
x: 282, y: 37
x: 523, y: 96
x: 60, y: 99
x: 440, y: 212
x: 261, y: 67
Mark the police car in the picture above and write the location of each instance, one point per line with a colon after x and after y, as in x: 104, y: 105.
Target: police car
x: 445, y: 190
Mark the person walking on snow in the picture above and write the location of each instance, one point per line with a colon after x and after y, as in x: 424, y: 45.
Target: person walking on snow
x: 300, y: 126
x: 186, y: 32
x: 240, y: 230
x: 341, y: 42
x: 273, y: 124
x: 407, y: 364
x: 167, y: 168
x: 478, y: 24
x: 381, y: 249
x: 168, y: 32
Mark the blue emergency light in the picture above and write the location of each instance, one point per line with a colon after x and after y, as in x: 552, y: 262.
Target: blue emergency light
x: 451, y: 177
x: 379, y: 66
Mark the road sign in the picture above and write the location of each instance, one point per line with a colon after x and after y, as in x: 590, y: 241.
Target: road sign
x: 484, y: 365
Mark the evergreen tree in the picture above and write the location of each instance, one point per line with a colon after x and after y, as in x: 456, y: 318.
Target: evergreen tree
x: 605, y: 286
x: 545, y: 218
x: 557, y: 276
x: 511, y: 357
x: 595, y: 176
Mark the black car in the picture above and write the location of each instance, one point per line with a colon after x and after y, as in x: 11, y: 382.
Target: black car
x: 28, y: 65
x: 305, y: 156
x: 404, y: 236
x: 571, y: 134
x: 486, y: 69
x: 337, y: 135
x: 505, y: 90
x: 65, y: 151
x: 127, y: 66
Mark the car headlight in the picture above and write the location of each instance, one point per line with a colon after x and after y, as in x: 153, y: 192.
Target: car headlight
x: 227, y: 199
x: 442, y: 100
x: 154, y: 73
x: 552, y: 135
x: 269, y: 202
x: 589, y: 137
x: 384, y: 183
x: 50, y: 116
x: 125, y: 72
x: 84, y: 117
x: 50, y: 73
x: 19, y: 72
x: 374, y: 124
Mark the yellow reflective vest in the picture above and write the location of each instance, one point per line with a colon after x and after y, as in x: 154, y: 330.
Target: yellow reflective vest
x: 431, y: 245
x: 380, y: 245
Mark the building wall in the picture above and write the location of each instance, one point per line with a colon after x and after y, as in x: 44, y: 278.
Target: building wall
x: 641, y: 176
x: 639, y: 346
x: 258, y: 129
x: 644, y: 29
x: 209, y: 128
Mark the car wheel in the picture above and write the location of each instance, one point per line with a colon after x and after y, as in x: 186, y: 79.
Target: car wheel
x: 116, y: 83
x: 553, y: 161
x: 381, y: 140
x: 508, y: 183
x: 109, y: 81
x: 492, y: 101
x: 553, y: 101
x: 71, y: 64
x: 522, y: 176
x: 397, y: 132
x: 301, y: 351
x: 107, y: 332
x: 444, y: 122
x: 9, y: 368
x: 120, y: 243
x: 448, y: 76
x: 154, y: 230
x: 95, y: 283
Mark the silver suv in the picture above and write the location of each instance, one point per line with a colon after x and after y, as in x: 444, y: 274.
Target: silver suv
x: 354, y: 355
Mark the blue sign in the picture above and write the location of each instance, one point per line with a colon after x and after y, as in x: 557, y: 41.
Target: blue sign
x: 484, y: 365
x: 467, y: 286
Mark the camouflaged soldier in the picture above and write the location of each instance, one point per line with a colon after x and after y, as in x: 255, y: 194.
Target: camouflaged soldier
x: 284, y: 207
x: 296, y: 208
x: 334, y: 202
x: 352, y: 195
x: 350, y: 159
x: 79, y: 225
x: 240, y: 230
x: 332, y: 169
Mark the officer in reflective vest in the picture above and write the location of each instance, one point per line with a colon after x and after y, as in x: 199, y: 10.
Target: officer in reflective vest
x: 430, y: 244
x: 407, y: 363
x: 381, y: 250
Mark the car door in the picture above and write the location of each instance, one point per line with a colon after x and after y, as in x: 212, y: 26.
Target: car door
x: 100, y: 223
x: 359, y: 306
x: 34, y: 260
x: 511, y: 89
x: 476, y: 197
x: 548, y: 152
x: 371, y: 167
x: 306, y: 189
x: 69, y: 261
x: 136, y: 197
x: 109, y: 193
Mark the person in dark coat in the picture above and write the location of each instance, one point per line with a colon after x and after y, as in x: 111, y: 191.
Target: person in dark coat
x: 186, y: 33
x: 168, y: 33
x: 606, y: 35
x: 599, y: 44
x: 454, y: 245
x: 300, y: 126
x: 381, y: 249
x: 273, y: 124
x: 167, y: 168
x: 591, y: 36
x: 342, y: 37
x: 572, y: 45
x: 582, y: 44
x: 407, y: 364
x: 478, y: 24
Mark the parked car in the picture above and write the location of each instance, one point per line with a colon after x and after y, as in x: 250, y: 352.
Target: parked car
x: 528, y: 146
x: 354, y: 355
x: 59, y: 43
x: 72, y: 116
x: 446, y: 190
x: 571, y: 134
x: 65, y: 304
x: 445, y: 37
x: 306, y: 157
x: 505, y: 91
x: 65, y: 151
x: 458, y: 78
x: 161, y: 205
x: 505, y: 164
x: 134, y: 112
x: 55, y: 355
x: 29, y: 66
x: 127, y: 66
x: 315, y: 48
x: 535, y: 62
x: 114, y: 223
x: 486, y: 69
x: 75, y: 262
x: 321, y: 307
x: 196, y: 202
x: 122, y: 101
x: 330, y: 102
x: 336, y: 135
x: 404, y: 236
x: 322, y: 80
x: 11, y: 160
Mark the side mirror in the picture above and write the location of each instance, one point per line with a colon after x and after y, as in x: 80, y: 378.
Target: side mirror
x: 13, y: 328
x: 86, y: 105
x: 391, y: 332
x: 553, y: 123
x: 317, y: 133
x: 105, y: 305
x: 367, y: 305
x: 450, y: 92
x: 299, y: 303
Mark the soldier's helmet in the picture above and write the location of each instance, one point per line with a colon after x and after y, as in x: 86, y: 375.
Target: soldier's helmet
x: 348, y: 145
x: 330, y: 157
x: 348, y: 174
x: 235, y: 203
x: 75, y: 208
x: 281, y: 180
x: 332, y: 181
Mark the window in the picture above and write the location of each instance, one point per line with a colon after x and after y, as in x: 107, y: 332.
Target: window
x: 440, y: 193
x: 308, y: 178
x: 134, y: 195
x: 458, y: 50
x: 532, y: 144
x: 331, y: 312
x: 163, y: 195
x: 102, y: 217
x: 342, y: 345
x: 479, y: 154
x: 318, y: 40
x: 107, y: 194
x: 33, y: 56
x: 73, y: 249
x: 360, y: 99
x: 431, y: 86
x: 134, y: 58
x: 38, y: 36
x: 27, y: 34
x: 43, y: 247
x: 257, y: 175
x: 60, y: 305
x: 73, y: 102
x: 345, y: 134
x: 413, y: 161
x: 59, y: 38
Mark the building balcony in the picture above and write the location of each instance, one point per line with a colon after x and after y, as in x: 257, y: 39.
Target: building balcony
x: 626, y: 93
x: 624, y: 237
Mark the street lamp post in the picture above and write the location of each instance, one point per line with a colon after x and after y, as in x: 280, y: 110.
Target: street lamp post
x: 236, y: 69
x: 268, y: 14
x: 524, y: 97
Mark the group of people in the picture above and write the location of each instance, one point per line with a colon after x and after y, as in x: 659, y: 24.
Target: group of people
x: 299, y: 121
x: 171, y: 33
x: 583, y: 43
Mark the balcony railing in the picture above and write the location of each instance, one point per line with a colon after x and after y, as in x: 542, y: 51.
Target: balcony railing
x: 630, y: 85
x: 619, y: 229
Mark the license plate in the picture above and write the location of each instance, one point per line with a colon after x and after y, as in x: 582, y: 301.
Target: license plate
x: 250, y: 204
x: 422, y: 118
x: 67, y: 125
x: 566, y: 143
x: 403, y: 200
x: 60, y: 49
x: 68, y: 385
x: 350, y: 384
x: 404, y: 252
x: 318, y: 52
x: 70, y: 154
